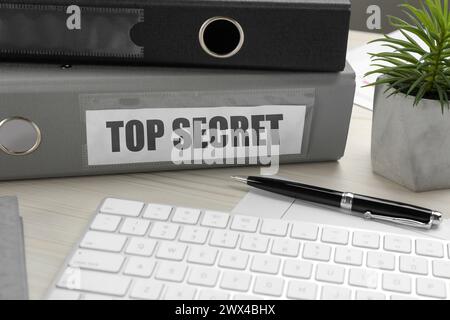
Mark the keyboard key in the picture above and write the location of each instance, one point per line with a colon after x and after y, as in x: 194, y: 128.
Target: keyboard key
x: 247, y: 297
x: 202, y: 255
x: 209, y: 294
x: 302, y: 290
x: 59, y: 294
x: 335, y: 293
x: 215, y: 219
x: 431, y: 288
x: 157, y: 212
x: 364, y: 278
x: 141, y: 247
x: 380, y: 260
x: 147, y: 289
x: 105, y: 222
x: 429, y: 248
x: 233, y: 260
x: 103, y: 241
x: 265, y: 264
x: 186, y: 215
x: 171, y: 271
x: 369, y: 295
x: 270, y: 286
x: 224, y: 239
x: 203, y: 276
x: 237, y: 281
x: 397, y: 244
x: 344, y: 255
x: 96, y: 297
x: 171, y: 251
x: 140, y: 267
x: 197, y: 235
x: 180, y: 292
x: 330, y: 273
x: 286, y: 247
x: 92, y: 281
x: 415, y: 265
x: 441, y: 269
x: 297, y: 269
x: 96, y: 260
x: 396, y: 282
x: 402, y: 298
x: 255, y: 243
x: 304, y: 231
x: 136, y: 227
x: 316, y: 251
x: 244, y: 223
x: 163, y: 230
x: 335, y: 235
x: 122, y: 207
x: 274, y: 227
x: 366, y: 240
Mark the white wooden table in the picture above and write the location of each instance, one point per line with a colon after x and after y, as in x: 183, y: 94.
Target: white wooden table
x: 56, y: 211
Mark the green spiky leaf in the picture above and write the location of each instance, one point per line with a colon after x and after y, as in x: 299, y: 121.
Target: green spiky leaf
x: 411, y: 68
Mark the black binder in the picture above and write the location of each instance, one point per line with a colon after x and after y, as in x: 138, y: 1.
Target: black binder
x: 306, y: 35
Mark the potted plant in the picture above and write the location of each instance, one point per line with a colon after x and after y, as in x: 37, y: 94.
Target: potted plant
x: 411, y: 121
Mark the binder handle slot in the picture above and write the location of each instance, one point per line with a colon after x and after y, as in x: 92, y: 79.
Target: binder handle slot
x: 221, y: 37
x: 19, y: 136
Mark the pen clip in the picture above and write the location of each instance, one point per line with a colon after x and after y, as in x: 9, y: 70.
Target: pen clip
x: 405, y: 222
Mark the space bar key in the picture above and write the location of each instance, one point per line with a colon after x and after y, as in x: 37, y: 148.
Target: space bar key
x: 76, y: 279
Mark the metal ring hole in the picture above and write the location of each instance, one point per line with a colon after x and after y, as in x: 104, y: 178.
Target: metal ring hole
x: 221, y: 37
x: 19, y: 136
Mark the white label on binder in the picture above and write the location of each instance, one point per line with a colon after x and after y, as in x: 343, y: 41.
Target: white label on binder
x: 216, y: 135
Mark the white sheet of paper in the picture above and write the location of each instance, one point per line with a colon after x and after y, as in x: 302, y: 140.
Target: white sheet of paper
x: 360, y: 60
x: 268, y: 205
x: 131, y: 127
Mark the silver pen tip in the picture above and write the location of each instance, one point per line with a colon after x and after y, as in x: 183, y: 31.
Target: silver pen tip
x: 436, y: 218
x: 239, y: 178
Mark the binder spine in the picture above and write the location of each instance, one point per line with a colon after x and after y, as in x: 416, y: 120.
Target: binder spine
x: 253, y: 34
x: 57, y: 30
x: 57, y: 103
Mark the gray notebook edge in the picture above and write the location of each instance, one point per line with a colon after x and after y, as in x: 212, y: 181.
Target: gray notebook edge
x: 24, y: 264
x: 13, y: 276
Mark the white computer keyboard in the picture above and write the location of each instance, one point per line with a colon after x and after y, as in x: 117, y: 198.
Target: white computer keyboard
x: 151, y: 251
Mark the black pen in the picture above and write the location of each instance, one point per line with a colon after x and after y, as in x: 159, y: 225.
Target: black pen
x: 367, y: 207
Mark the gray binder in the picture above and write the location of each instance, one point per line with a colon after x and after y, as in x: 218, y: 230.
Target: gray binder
x: 86, y: 120
x: 13, y: 277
